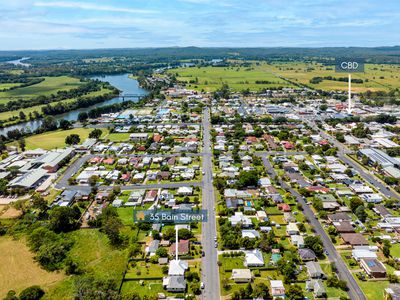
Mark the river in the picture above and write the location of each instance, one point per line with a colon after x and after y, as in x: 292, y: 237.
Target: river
x: 19, y: 62
x: 122, y: 82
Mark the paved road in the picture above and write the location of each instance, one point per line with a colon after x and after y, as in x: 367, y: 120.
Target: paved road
x: 134, y: 186
x: 210, y: 274
x: 281, y: 153
x: 355, y: 291
x: 76, y: 165
x: 107, y: 125
x: 342, y: 154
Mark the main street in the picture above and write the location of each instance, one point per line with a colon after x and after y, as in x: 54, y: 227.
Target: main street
x: 355, y: 291
x: 210, y: 274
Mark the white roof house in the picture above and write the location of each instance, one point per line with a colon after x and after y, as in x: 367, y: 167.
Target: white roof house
x: 241, y: 275
x: 292, y: 229
x: 297, y: 240
x: 185, y: 190
x: 251, y: 234
x: 363, y: 253
x: 177, y: 267
x: 254, y: 258
x: 238, y: 217
x: 277, y: 288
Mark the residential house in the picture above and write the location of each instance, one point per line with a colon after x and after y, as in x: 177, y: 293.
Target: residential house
x: 307, y: 254
x: 354, y: 239
x: 277, y: 289
x: 314, y: 270
x: 254, y: 258
x: 373, y: 267
x: 241, y: 275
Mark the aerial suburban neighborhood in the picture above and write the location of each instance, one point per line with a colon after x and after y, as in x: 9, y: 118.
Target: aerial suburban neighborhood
x: 263, y: 163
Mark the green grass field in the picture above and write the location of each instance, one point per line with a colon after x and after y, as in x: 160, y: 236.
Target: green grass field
x: 238, y: 78
x: 118, y: 137
x: 50, y: 85
x: 54, y: 139
x: 6, y: 86
x: 92, y: 250
x: 19, y: 270
x: 376, y: 77
x: 15, y: 113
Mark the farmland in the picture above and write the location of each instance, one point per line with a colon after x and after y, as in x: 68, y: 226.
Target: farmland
x: 376, y: 77
x: 50, y: 85
x: 238, y: 78
x: 262, y: 75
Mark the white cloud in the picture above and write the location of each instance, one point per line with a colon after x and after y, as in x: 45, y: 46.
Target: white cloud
x: 90, y: 6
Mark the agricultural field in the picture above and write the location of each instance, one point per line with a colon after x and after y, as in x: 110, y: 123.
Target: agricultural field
x: 376, y: 77
x: 50, y: 85
x: 19, y: 270
x: 54, y: 139
x: 238, y: 78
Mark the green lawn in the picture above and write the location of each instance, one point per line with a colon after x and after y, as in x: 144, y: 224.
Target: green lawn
x: 50, y: 85
x: 373, y: 289
x: 126, y: 215
x: 118, y: 137
x: 144, y: 270
x: 54, y: 139
x: 395, y: 250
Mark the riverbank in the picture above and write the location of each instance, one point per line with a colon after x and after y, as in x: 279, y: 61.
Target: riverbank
x: 122, y: 82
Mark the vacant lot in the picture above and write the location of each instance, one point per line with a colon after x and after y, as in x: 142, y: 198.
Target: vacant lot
x: 19, y: 270
x: 54, y: 139
x: 376, y: 77
x: 92, y: 249
x: 238, y: 78
x: 50, y: 85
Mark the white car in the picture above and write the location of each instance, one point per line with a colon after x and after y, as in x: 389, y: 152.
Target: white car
x: 202, y: 285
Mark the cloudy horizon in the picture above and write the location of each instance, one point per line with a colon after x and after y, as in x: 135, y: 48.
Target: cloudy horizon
x: 73, y: 24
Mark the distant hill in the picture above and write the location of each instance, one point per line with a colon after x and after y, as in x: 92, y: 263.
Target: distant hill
x: 374, y: 55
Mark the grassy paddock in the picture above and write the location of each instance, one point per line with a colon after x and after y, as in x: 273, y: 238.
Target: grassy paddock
x: 54, y: 139
x: 50, y: 85
x: 19, y: 270
x: 238, y: 78
x: 376, y: 77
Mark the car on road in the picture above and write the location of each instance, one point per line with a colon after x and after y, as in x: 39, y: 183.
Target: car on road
x: 216, y: 245
x: 202, y: 286
x: 203, y: 253
x: 215, y: 239
x: 204, y: 173
x: 326, y: 253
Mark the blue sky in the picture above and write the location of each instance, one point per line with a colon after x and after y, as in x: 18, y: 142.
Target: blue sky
x: 76, y: 24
